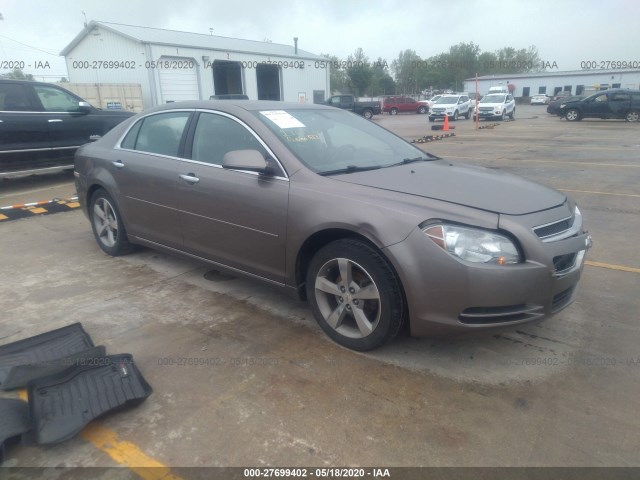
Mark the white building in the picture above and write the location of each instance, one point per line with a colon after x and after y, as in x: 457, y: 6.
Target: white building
x: 172, y: 66
x: 579, y: 82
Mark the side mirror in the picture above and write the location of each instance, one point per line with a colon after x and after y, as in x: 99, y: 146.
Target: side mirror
x: 84, y: 107
x: 251, y: 160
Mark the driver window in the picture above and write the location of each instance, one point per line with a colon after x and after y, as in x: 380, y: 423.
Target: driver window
x: 56, y: 100
x: 216, y: 135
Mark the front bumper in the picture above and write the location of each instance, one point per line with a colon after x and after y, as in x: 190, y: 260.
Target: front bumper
x: 446, y: 295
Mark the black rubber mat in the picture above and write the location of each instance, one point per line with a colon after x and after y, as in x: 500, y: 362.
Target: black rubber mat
x: 14, y: 421
x: 45, y: 347
x: 20, y: 375
x: 62, y: 404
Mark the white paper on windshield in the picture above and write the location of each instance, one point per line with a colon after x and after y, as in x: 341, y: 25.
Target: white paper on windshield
x: 283, y: 119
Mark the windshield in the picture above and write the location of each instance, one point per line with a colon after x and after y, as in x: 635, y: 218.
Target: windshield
x: 335, y: 141
x: 434, y: 99
x: 447, y: 100
x: 493, y: 99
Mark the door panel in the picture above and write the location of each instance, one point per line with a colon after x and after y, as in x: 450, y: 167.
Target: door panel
x: 232, y: 217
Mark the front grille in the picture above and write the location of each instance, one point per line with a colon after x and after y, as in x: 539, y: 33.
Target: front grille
x: 438, y: 110
x: 502, y: 314
x: 562, y: 299
x: 564, y: 262
x: 486, y: 109
x: 555, y: 228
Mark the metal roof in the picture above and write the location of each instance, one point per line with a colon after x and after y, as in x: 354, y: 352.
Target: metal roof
x: 507, y: 76
x: 160, y: 36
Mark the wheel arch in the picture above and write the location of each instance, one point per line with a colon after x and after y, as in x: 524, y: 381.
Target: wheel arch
x: 323, y: 237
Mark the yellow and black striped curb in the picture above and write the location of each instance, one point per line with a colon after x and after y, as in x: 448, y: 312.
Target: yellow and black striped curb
x: 432, y: 138
x: 25, y: 210
x: 491, y: 125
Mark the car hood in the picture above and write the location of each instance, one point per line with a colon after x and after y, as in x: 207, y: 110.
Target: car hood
x: 467, y: 185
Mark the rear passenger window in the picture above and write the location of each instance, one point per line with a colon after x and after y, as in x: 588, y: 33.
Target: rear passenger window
x: 216, y: 135
x: 13, y: 98
x: 130, y: 140
x: 159, y: 133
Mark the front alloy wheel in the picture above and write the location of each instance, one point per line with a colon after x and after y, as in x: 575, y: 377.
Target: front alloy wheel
x: 354, y: 295
x: 393, y: 111
x: 572, y: 115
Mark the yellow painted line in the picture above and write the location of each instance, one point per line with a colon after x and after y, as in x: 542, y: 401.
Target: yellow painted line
x: 123, y: 452
x: 3, y: 217
x: 126, y: 453
x: 73, y: 204
x: 37, y: 210
x: 621, y: 268
x: 599, y: 193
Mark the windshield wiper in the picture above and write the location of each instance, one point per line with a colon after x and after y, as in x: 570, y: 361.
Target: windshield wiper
x: 405, y: 161
x: 349, y: 169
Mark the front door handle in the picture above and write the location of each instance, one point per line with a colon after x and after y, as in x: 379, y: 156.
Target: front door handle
x: 190, y: 178
x: 55, y: 120
x: 118, y: 164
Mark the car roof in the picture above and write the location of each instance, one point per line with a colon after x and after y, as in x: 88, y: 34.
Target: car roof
x: 230, y: 105
x: 27, y: 82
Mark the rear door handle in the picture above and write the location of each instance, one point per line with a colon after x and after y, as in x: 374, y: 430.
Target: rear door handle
x: 190, y: 178
x: 118, y: 164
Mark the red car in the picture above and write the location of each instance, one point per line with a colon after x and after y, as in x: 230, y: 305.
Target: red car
x: 395, y: 105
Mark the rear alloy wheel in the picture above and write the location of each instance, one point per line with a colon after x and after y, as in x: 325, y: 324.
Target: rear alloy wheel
x: 632, y: 116
x: 368, y: 114
x: 107, y: 225
x: 422, y: 110
x: 354, y: 295
x: 393, y: 111
x: 572, y: 115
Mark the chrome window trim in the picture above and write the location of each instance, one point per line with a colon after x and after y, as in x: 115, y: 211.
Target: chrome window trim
x: 38, y: 149
x: 118, y: 145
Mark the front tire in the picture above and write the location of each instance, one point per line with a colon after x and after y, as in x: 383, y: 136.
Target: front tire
x: 455, y: 115
x: 393, y: 111
x: 513, y: 113
x: 107, y: 226
x: 354, y: 294
x: 632, y: 116
x: 573, y: 115
x: 468, y: 115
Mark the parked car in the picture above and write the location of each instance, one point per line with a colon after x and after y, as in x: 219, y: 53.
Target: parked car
x: 540, y: 100
x: 614, y: 103
x: 322, y: 204
x: 495, y: 105
x: 395, y: 105
x: 554, y: 105
x: 42, y: 125
x: 560, y: 95
x: 349, y: 102
x: 451, y: 105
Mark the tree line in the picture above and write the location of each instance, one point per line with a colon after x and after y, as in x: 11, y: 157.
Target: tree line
x: 411, y: 74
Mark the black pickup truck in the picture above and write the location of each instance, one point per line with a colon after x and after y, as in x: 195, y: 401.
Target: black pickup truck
x: 42, y: 125
x: 348, y: 102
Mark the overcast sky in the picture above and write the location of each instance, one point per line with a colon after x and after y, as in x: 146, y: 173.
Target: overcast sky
x: 566, y: 32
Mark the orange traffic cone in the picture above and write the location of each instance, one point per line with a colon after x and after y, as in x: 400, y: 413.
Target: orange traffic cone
x: 445, y: 128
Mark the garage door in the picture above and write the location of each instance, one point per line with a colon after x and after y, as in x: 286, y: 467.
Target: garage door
x: 178, y: 79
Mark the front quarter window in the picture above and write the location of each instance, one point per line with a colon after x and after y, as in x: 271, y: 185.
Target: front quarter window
x: 56, y: 100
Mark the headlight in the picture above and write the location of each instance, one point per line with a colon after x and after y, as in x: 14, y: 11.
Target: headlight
x: 474, y: 245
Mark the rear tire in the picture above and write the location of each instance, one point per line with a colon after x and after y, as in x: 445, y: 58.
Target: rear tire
x: 368, y: 114
x: 632, y: 116
x: 107, y: 226
x: 422, y: 110
x: 354, y: 294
